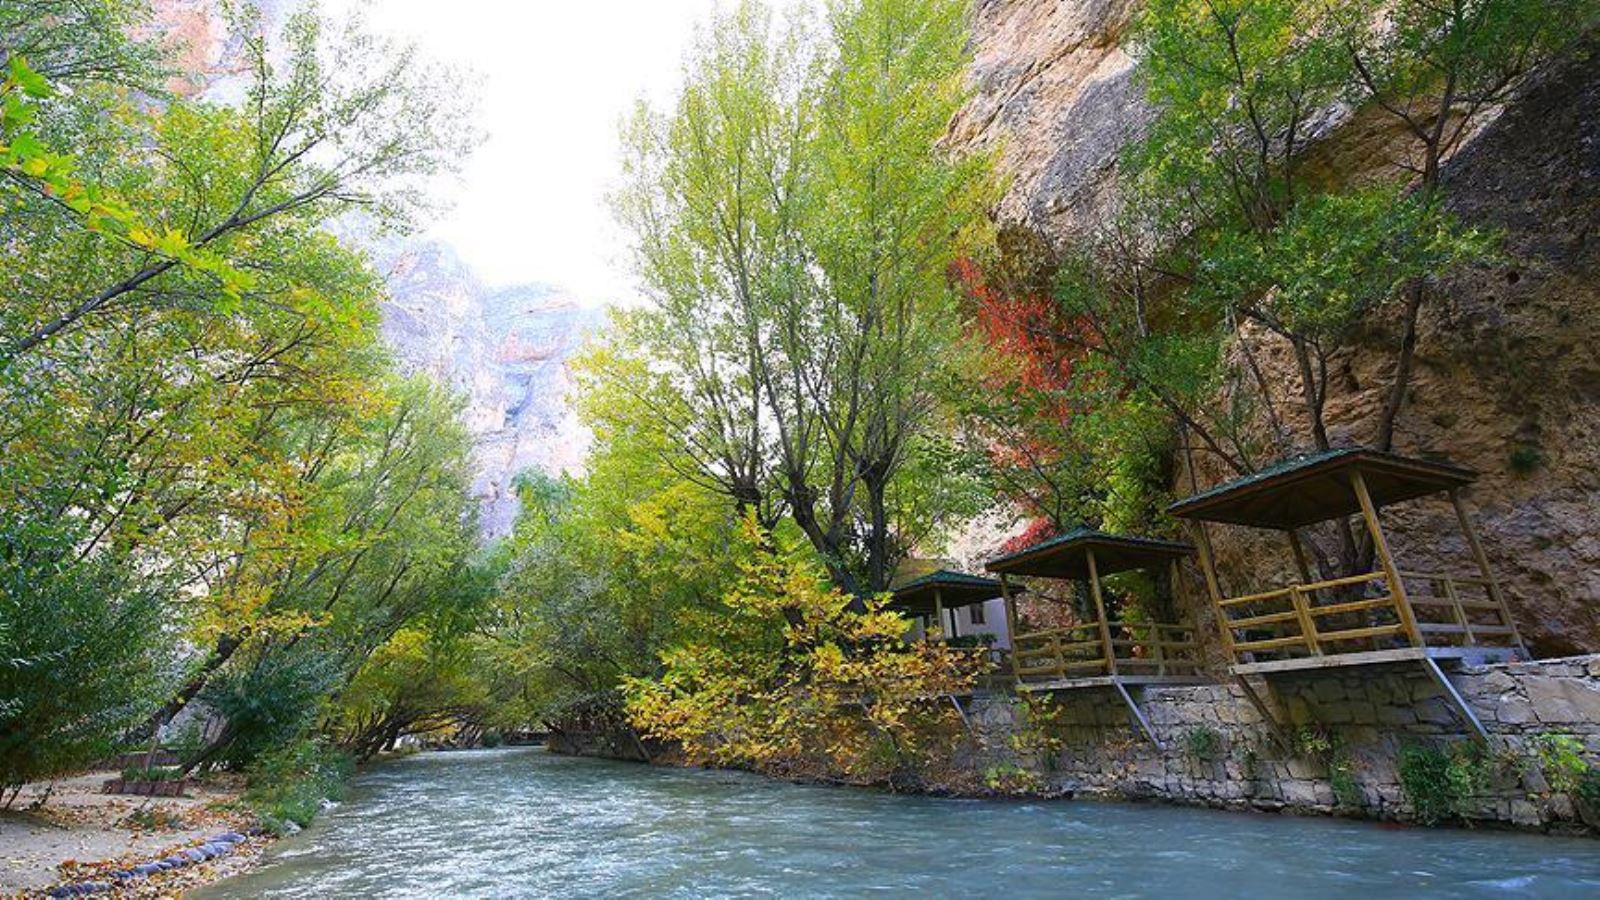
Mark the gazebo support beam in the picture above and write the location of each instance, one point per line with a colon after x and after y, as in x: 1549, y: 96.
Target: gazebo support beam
x: 1208, y: 568
x: 1011, y: 626
x: 1391, y: 574
x: 1100, y: 612
x: 1482, y: 559
x: 1139, y: 717
x: 1456, y: 700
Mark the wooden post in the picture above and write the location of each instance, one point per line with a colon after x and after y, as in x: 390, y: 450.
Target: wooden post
x: 1208, y: 569
x: 1011, y: 625
x: 1482, y: 558
x: 1299, y: 600
x: 1397, y: 588
x: 1302, y: 614
x: 1300, y: 556
x: 1100, y: 611
x: 938, y: 610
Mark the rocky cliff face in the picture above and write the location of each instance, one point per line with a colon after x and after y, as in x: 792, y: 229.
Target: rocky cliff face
x: 505, y: 350
x: 1508, y: 378
x: 1056, y: 96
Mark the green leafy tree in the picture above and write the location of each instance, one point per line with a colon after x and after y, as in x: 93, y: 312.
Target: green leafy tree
x: 85, y: 651
x: 793, y: 221
x: 788, y: 677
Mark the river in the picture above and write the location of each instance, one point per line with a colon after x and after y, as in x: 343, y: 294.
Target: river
x: 525, y: 823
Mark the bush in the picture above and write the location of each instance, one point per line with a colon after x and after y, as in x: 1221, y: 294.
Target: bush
x: 789, y: 678
x: 287, y: 787
x: 491, y: 739
x: 1442, y: 781
x: 154, y: 773
x: 83, y: 646
x: 270, y: 699
x: 1203, y: 743
x: 1525, y: 460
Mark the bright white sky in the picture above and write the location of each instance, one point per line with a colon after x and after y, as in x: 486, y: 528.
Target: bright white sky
x: 557, y: 77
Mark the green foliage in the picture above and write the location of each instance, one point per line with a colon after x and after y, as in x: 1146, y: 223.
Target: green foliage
x: 787, y: 677
x: 154, y: 773
x: 83, y: 649
x: 1202, y: 744
x: 1525, y: 459
x: 793, y: 219
x: 1039, y: 734
x: 1010, y: 778
x: 1441, y: 782
x: 1234, y: 250
x: 417, y: 683
x: 1564, y: 761
x: 290, y: 784
x: 268, y: 699
x: 1329, y: 749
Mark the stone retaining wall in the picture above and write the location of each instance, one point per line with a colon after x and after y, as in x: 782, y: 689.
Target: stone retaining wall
x: 1346, y: 733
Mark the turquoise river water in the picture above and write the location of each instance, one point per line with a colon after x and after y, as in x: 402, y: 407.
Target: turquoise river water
x: 525, y: 823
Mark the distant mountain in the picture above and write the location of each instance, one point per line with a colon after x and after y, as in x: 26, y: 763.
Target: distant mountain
x: 505, y: 349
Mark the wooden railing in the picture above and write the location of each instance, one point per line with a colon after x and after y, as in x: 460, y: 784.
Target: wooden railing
x: 1090, y: 650
x: 1457, y: 610
x: 1363, y: 612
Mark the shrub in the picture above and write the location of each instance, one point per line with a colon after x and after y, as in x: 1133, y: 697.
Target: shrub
x: 1202, y: 743
x: 1561, y: 759
x: 83, y: 646
x: 269, y: 699
x: 1329, y: 749
x: 1441, y: 781
x: 154, y: 773
x: 289, y: 785
x: 1525, y: 459
x: 491, y: 739
x: 788, y: 676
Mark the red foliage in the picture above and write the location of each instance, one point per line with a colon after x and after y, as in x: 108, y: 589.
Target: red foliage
x: 1029, y: 328
x: 1038, y: 531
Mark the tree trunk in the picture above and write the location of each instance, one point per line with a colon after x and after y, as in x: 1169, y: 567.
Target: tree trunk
x: 227, y: 645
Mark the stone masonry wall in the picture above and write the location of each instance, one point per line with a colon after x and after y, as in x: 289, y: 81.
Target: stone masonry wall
x: 1346, y: 731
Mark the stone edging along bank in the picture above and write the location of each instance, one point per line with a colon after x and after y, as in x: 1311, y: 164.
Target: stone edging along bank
x: 1351, y: 735
x: 1368, y: 742
x: 215, y: 848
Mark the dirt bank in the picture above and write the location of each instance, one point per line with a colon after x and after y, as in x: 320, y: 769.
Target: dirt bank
x: 80, y: 835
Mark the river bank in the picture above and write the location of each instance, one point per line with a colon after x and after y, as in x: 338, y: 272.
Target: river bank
x: 81, y: 836
x: 1383, y: 744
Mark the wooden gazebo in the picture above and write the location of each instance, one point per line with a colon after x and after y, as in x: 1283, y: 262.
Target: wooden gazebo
x: 1101, y: 652
x: 931, y: 596
x: 1387, y: 615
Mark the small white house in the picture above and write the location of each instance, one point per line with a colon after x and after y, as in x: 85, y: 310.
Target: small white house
x: 957, y: 604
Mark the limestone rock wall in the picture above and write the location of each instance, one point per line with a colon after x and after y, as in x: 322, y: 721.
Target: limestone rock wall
x: 1508, y: 375
x: 1346, y: 732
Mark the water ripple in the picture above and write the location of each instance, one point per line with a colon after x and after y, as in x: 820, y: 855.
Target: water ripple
x: 522, y: 823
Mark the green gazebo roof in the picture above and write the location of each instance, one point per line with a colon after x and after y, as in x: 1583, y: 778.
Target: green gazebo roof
x: 955, y: 589
x: 1067, y: 555
x: 1316, y: 487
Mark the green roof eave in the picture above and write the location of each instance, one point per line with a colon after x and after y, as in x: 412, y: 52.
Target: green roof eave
x: 1066, y: 555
